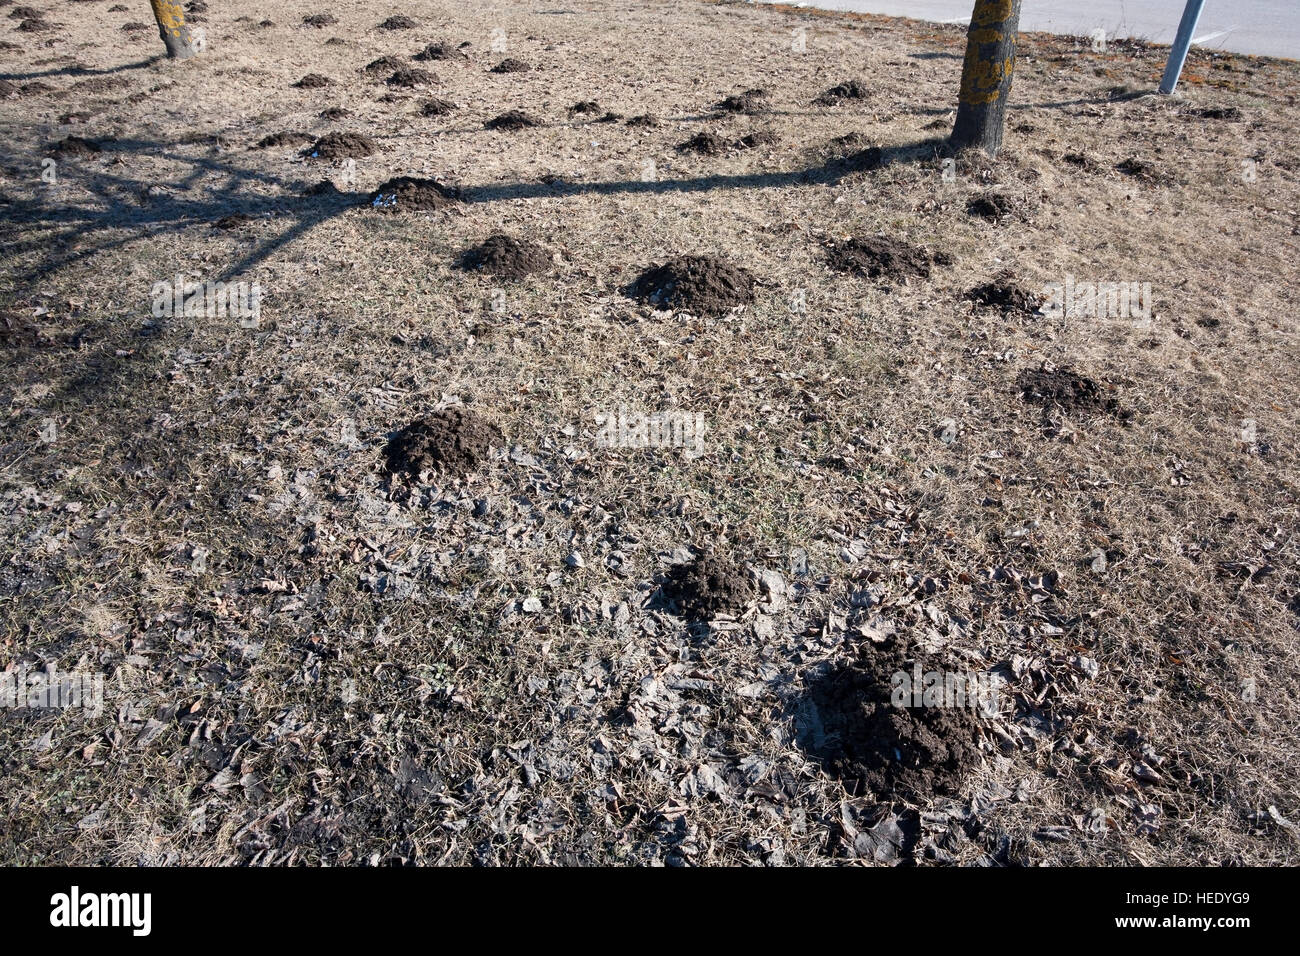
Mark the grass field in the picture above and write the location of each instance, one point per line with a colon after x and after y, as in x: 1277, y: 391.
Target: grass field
x: 308, y: 656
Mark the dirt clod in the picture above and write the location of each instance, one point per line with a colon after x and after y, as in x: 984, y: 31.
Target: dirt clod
x: 407, y: 77
x: 284, y: 137
x: 412, y: 194
x: 335, y: 113
x: 512, y: 65
x: 704, y: 285
x: 320, y: 20
x: 848, y: 90
x: 750, y: 101
x: 385, y: 64
x: 440, y: 50
x: 313, y: 81
x: 341, y: 146
x: 451, y: 441
x: 707, y: 586
x: 890, y: 752
x: 512, y: 120
x: 436, y: 107
x: 1064, y: 389
x: 76, y: 146
x: 398, y: 22
x: 992, y: 206
x: 704, y: 142
x: 879, y: 257
x: 506, y: 257
x: 1005, y: 294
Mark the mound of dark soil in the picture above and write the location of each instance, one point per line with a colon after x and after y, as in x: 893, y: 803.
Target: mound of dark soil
x: 584, y: 107
x: 890, y: 752
x: 398, y: 22
x: 757, y: 139
x: 283, y: 138
x: 1064, y: 389
x: 436, y: 107
x: 703, y: 285
x: 451, y: 441
x: 335, y: 113
x: 710, y: 585
x: 24, y: 13
x: 35, y: 25
x: 313, y: 81
x: 410, y: 78
x: 1079, y: 160
x: 233, y: 221
x: 506, y: 257
x: 385, y: 64
x: 705, y: 142
x: 410, y: 193
x: 512, y: 120
x: 76, y: 146
x: 644, y: 119
x: 341, y: 146
x: 1005, y: 294
x: 878, y: 257
x: 750, y: 101
x: 992, y: 206
x: 512, y: 65
x: 848, y: 90
x: 320, y: 20
x: 441, y: 50
x: 1142, y: 170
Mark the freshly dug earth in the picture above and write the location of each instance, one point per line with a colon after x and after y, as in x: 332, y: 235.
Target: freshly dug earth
x: 884, y: 751
x: 441, y: 50
x: 284, y: 137
x: 341, y: 146
x: 407, y: 77
x: 385, y: 64
x: 848, y: 90
x: 512, y: 120
x: 411, y: 194
x: 506, y: 257
x: 313, y: 81
x: 991, y: 206
x: 707, y: 586
x: 750, y: 101
x: 1065, y: 389
x: 878, y: 257
x: 704, y: 285
x: 512, y: 65
x: 1004, y: 293
x: 76, y: 146
x: 451, y: 441
x: 705, y: 142
x: 436, y: 107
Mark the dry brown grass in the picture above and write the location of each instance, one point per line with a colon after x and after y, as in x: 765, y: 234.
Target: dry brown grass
x: 352, y: 676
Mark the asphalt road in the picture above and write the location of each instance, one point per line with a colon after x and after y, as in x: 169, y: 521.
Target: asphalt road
x: 1268, y: 27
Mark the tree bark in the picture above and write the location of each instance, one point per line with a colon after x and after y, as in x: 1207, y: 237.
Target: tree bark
x: 176, y: 35
x: 986, y: 75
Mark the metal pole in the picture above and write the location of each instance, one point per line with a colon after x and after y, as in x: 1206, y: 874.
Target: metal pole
x: 1182, y: 42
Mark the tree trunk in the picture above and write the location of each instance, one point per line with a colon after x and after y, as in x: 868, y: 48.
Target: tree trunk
x: 986, y: 75
x: 180, y: 41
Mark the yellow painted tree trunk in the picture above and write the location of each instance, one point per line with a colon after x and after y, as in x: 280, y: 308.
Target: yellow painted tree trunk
x: 181, y: 42
x: 986, y: 75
